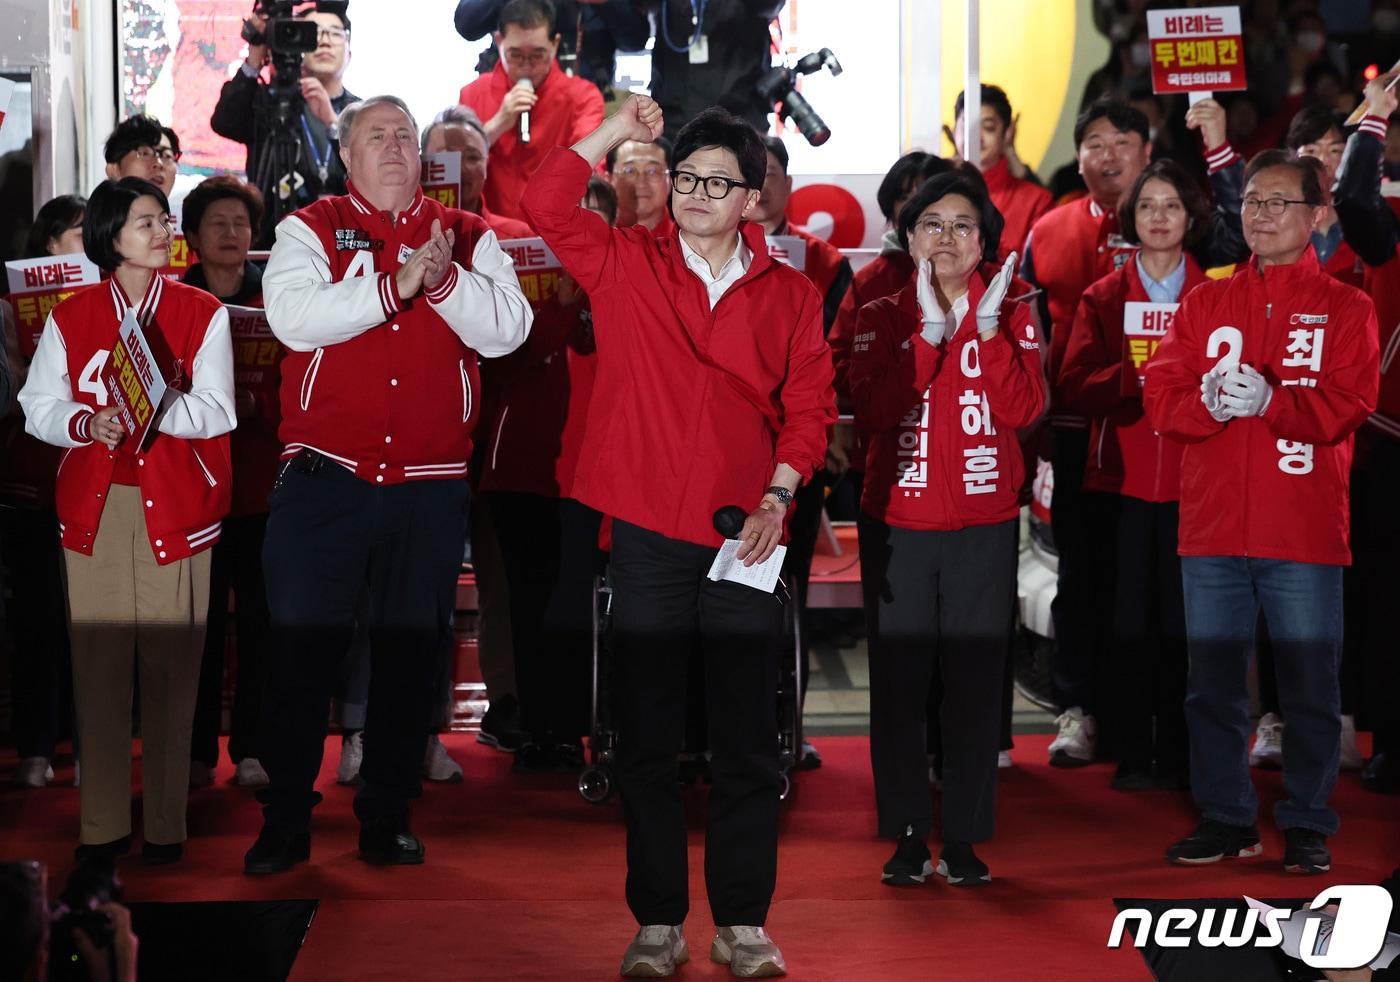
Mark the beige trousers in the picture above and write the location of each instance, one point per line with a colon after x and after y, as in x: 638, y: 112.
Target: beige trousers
x: 125, y: 610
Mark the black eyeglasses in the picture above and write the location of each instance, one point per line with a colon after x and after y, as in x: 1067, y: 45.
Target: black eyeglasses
x: 716, y: 188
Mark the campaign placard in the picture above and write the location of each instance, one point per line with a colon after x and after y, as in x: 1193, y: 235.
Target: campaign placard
x: 789, y: 249
x: 1196, y: 49
x: 1144, y: 326
x: 536, y: 267
x: 442, y: 177
x: 39, y: 285
x: 256, y: 352
x: 133, y: 379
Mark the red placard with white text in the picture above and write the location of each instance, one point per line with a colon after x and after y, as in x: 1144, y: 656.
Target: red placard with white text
x: 39, y: 285
x: 442, y: 177
x: 1144, y: 326
x: 256, y: 352
x: 133, y: 379
x: 536, y: 267
x: 1196, y: 49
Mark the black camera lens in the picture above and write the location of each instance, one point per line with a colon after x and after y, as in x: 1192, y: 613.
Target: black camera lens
x: 808, y: 123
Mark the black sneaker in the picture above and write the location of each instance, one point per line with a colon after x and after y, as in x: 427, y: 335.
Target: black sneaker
x: 536, y: 758
x: 1213, y: 841
x: 89, y: 851
x: 276, y: 850
x: 810, y: 759
x: 386, y: 842
x: 500, y: 727
x: 161, y: 855
x: 1305, y: 851
x: 1131, y: 777
x: 910, y: 863
x: 568, y: 756
x: 1381, y: 774
x: 961, y: 867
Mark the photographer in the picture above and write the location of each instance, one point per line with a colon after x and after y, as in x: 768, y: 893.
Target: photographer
x: 244, y: 110
x: 28, y: 929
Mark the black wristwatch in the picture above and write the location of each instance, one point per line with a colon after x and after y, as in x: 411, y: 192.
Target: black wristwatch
x: 783, y: 495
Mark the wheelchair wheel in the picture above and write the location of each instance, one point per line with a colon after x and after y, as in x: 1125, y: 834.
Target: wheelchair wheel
x: 595, y: 784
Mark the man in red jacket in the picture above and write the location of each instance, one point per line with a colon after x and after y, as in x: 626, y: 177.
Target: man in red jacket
x: 384, y: 299
x: 529, y: 105
x: 713, y: 390
x: 1265, y: 376
x: 458, y: 129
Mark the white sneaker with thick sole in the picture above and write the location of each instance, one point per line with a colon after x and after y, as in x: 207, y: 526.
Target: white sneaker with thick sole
x: 1267, y: 751
x: 37, y: 772
x: 352, y: 754
x: 748, y: 951
x: 251, y: 773
x: 1351, y: 753
x: 438, y: 765
x: 1073, y: 745
x: 1004, y: 760
x: 655, y: 952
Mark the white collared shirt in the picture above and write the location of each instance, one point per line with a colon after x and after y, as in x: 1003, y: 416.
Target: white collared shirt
x: 734, y: 267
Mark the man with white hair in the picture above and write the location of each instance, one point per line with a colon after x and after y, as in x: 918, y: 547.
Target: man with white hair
x: 384, y: 299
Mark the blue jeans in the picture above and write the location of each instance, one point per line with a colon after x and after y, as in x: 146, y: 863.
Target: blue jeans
x: 1302, y: 604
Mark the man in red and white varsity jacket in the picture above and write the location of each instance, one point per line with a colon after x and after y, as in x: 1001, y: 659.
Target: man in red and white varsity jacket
x: 384, y: 299
x: 1265, y: 376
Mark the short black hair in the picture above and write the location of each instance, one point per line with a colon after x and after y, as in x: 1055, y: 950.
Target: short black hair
x: 338, y: 9
x: 1123, y: 117
x: 776, y: 146
x: 660, y: 141
x: 717, y: 127
x: 1311, y: 174
x: 527, y: 14
x: 23, y: 917
x: 108, y: 207
x: 173, y: 137
x: 989, y: 220
x: 56, y: 217
x: 1193, y: 199
x: 1311, y: 124
x: 605, y: 195
x: 133, y: 133
x: 992, y: 95
x: 899, y: 180
x: 220, y: 188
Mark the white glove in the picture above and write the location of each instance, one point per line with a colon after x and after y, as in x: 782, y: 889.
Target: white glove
x: 989, y: 307
x: 1211, y: 382
x: 935, y: 317
x: 1245, y: 393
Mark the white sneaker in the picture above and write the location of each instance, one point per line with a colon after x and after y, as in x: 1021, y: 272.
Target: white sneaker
x: 251, y: 773
x: 36, y: 772
x: 655, y: 952
x: 748, y: 951
x: 1003, y: 759
x: 1351, y: 753
x: 1073, y: 746
x: 201, y: 774
x: 1268, y: 743
x: 352, y: 754
x: 438, y: 765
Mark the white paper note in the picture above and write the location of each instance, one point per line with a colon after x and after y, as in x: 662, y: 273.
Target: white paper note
x: 761, y: 576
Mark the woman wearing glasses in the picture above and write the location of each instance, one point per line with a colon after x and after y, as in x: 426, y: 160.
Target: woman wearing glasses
x: 137, y: 521
x: 1117, y: 327
x: 942, y: 375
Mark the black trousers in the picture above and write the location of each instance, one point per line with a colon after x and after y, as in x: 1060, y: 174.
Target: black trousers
x: 331, y: 536
x: 1072, y: 667
x: 664, y: 610
x: 937, y: 602
x: 38, y: 615
x: 550, y: 548
x: 236, y: 565
x: 803, y: 530
x: 1147, y: 671
x: 1372, y: 663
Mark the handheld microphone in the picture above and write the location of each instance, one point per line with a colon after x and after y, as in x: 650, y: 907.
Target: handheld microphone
x: 729, y: 521
x: 529, y: 86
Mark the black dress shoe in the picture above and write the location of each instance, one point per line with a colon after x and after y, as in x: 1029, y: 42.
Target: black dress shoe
x: 390, y: 843
x: 88, y: 851
x: 1381, y: 774
x: 159, y: 855
x: 276, y: 850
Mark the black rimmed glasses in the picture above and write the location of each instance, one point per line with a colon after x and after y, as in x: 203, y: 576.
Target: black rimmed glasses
x: 1273, y: 207
x: 716, y: 188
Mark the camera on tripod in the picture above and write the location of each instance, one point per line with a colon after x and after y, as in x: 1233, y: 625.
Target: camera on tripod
x: 286, y: 34
x: 779, y: 87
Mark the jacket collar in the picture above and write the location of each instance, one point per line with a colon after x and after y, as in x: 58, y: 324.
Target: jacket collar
x: 909, y: 295
x: 1306, y: 267
x: 146, y: 309
x: 362, y: 205
x: 998, y: 176
x: 753, y: 237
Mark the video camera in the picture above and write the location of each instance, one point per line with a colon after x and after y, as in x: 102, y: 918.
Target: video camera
x: 94, y: 882
x: 779, y: 87
x: 286, y: 34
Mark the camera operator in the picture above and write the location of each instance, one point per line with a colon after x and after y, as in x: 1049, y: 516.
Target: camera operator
x: 28, y: 928
x: 243, y: 112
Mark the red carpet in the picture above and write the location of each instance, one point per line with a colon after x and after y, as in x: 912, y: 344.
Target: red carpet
x: 524, y: 880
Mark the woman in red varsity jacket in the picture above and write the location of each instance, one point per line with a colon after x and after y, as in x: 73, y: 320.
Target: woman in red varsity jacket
x: 942, y: 375
x: 1134, y: 474
x: 136, y: 519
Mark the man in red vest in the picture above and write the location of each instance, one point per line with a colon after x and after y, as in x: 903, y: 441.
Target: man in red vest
x: 528, y: 103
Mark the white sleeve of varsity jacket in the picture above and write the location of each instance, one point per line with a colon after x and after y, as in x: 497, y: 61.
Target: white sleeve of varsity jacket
x: 484, y: 306
x: 51, y: 413
x: 207, y: 410
x: 305, y: 309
